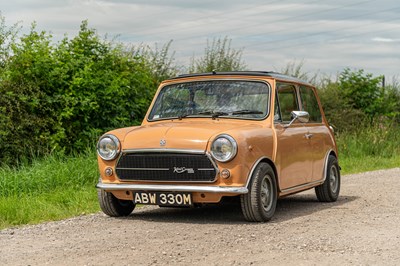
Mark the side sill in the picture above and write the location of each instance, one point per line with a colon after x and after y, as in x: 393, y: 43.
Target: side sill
x: 296, y: 189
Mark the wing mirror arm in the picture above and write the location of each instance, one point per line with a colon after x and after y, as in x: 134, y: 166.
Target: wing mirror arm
x: 302, y: 116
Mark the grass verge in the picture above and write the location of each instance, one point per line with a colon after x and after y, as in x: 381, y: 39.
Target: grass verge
x: 352, y: 165
x: 51, y: 188
x: 55, y: 205
x: 372, y: 148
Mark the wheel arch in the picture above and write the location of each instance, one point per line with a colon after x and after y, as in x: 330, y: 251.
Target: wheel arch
x: 333, y: 153
x: 329, y: 153
x: 267, y: 160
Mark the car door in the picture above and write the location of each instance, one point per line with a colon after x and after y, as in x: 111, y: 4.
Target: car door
x: 317, y: 131
x: 293, y: 149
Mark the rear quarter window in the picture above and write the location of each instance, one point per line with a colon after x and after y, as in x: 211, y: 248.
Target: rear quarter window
x: 310, y: 104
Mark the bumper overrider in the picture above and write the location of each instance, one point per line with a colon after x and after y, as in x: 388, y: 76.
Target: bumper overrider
x: 171, y: 188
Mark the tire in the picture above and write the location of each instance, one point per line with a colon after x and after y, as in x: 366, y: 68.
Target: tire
x: 259, y: 204
x: 329, y: 190
x: 112, y: 206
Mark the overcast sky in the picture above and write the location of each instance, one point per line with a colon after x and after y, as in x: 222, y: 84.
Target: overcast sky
x: 328, y: 35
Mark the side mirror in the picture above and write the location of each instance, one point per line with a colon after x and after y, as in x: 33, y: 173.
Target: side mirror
x: 302, y: 116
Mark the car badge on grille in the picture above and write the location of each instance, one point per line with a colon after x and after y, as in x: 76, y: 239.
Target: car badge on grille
x: 180, y: 170
x: 163, y: 142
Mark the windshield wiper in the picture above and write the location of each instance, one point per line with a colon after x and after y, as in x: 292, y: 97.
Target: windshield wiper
x: 184, y: 115
x: 238, y: 112
x: 246, y: 112
x: 213, y: 114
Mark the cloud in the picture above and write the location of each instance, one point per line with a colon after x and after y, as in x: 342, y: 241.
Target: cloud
x: 327, y: 35
x: 387, y: 40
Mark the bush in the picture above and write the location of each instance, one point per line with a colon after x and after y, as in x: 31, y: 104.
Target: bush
x: 363, y: 92
x: 358, y: 100
x: 63, y: 96
x: 218, y: 56
x: 98, y: 86
x: 26, y: 117
x: 339, y: 113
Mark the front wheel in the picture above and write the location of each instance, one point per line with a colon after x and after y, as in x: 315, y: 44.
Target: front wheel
x: 112, y: 206
x: 329, y: 190
x: 259, y: 204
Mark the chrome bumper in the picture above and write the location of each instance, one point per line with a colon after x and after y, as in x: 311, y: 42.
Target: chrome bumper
x: 172, y: 188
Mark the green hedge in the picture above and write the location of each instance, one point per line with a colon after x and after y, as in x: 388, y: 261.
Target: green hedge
x: 63, y: 96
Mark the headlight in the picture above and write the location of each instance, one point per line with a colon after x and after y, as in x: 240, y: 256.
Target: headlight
x: 108, y: 147
x: 224, y: 148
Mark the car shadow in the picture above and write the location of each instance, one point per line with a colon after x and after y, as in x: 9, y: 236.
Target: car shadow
x: 230, y: 212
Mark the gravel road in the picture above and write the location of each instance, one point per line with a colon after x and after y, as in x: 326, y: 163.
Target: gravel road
x: 361, y: 228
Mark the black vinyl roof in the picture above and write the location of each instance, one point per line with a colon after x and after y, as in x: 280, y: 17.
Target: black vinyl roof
x: 271, y: 74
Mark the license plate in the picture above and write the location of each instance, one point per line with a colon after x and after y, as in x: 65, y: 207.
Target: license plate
x: 163, y: 198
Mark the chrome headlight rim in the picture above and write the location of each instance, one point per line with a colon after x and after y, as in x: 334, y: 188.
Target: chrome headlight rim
x: 115, y: 153
x: 233, y: 143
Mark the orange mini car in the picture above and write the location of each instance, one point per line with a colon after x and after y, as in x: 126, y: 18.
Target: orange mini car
x: 254, y: 135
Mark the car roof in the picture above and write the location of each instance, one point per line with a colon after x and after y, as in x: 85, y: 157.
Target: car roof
x: 270, y: 74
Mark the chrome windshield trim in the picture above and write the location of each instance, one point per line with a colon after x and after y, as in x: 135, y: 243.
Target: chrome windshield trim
x: 172, y: 188
x: 214, y: 78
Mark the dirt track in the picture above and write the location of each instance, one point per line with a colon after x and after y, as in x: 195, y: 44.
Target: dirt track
x: 362, y: 228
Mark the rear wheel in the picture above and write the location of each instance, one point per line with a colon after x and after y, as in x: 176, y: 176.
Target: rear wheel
x: 112, y: 206
x: 259, y: 204
x: 329, y: 190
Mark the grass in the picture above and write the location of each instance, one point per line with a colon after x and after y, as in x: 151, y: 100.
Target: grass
x: 51, y: 188
x: 373, y: 148
x: 352, y: 165
x: 55, y: 205
x: 60, y: 186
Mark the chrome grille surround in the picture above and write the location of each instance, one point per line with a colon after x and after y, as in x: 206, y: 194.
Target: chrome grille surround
x: 166, y: 165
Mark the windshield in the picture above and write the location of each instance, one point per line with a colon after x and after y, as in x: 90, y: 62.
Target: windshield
x: 214, y: 98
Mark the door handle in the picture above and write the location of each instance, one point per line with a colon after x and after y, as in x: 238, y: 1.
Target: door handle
x: 308, y: 135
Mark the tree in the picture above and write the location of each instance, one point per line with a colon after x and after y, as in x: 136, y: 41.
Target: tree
x: 295, y: 69
x: 357, y: 99
x: 363, y: 91
x: 8, y: 36
x: 26, y: 115
x: 160, y: 61
x: 98, y: 85
x: 339, y: 113
x: 218, y: 56
x: 391, y: 101
x: 63, y: 96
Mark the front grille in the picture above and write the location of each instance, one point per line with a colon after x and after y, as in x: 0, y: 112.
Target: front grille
x: 166, y: 167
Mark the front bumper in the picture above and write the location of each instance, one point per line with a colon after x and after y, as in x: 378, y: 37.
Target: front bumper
x: 172, y: 188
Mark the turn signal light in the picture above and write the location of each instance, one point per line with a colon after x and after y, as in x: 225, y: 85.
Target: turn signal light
x: 108, y: 171
x: 225, y: 173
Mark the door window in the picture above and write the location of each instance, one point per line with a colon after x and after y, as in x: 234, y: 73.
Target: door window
x: 287, y: 102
